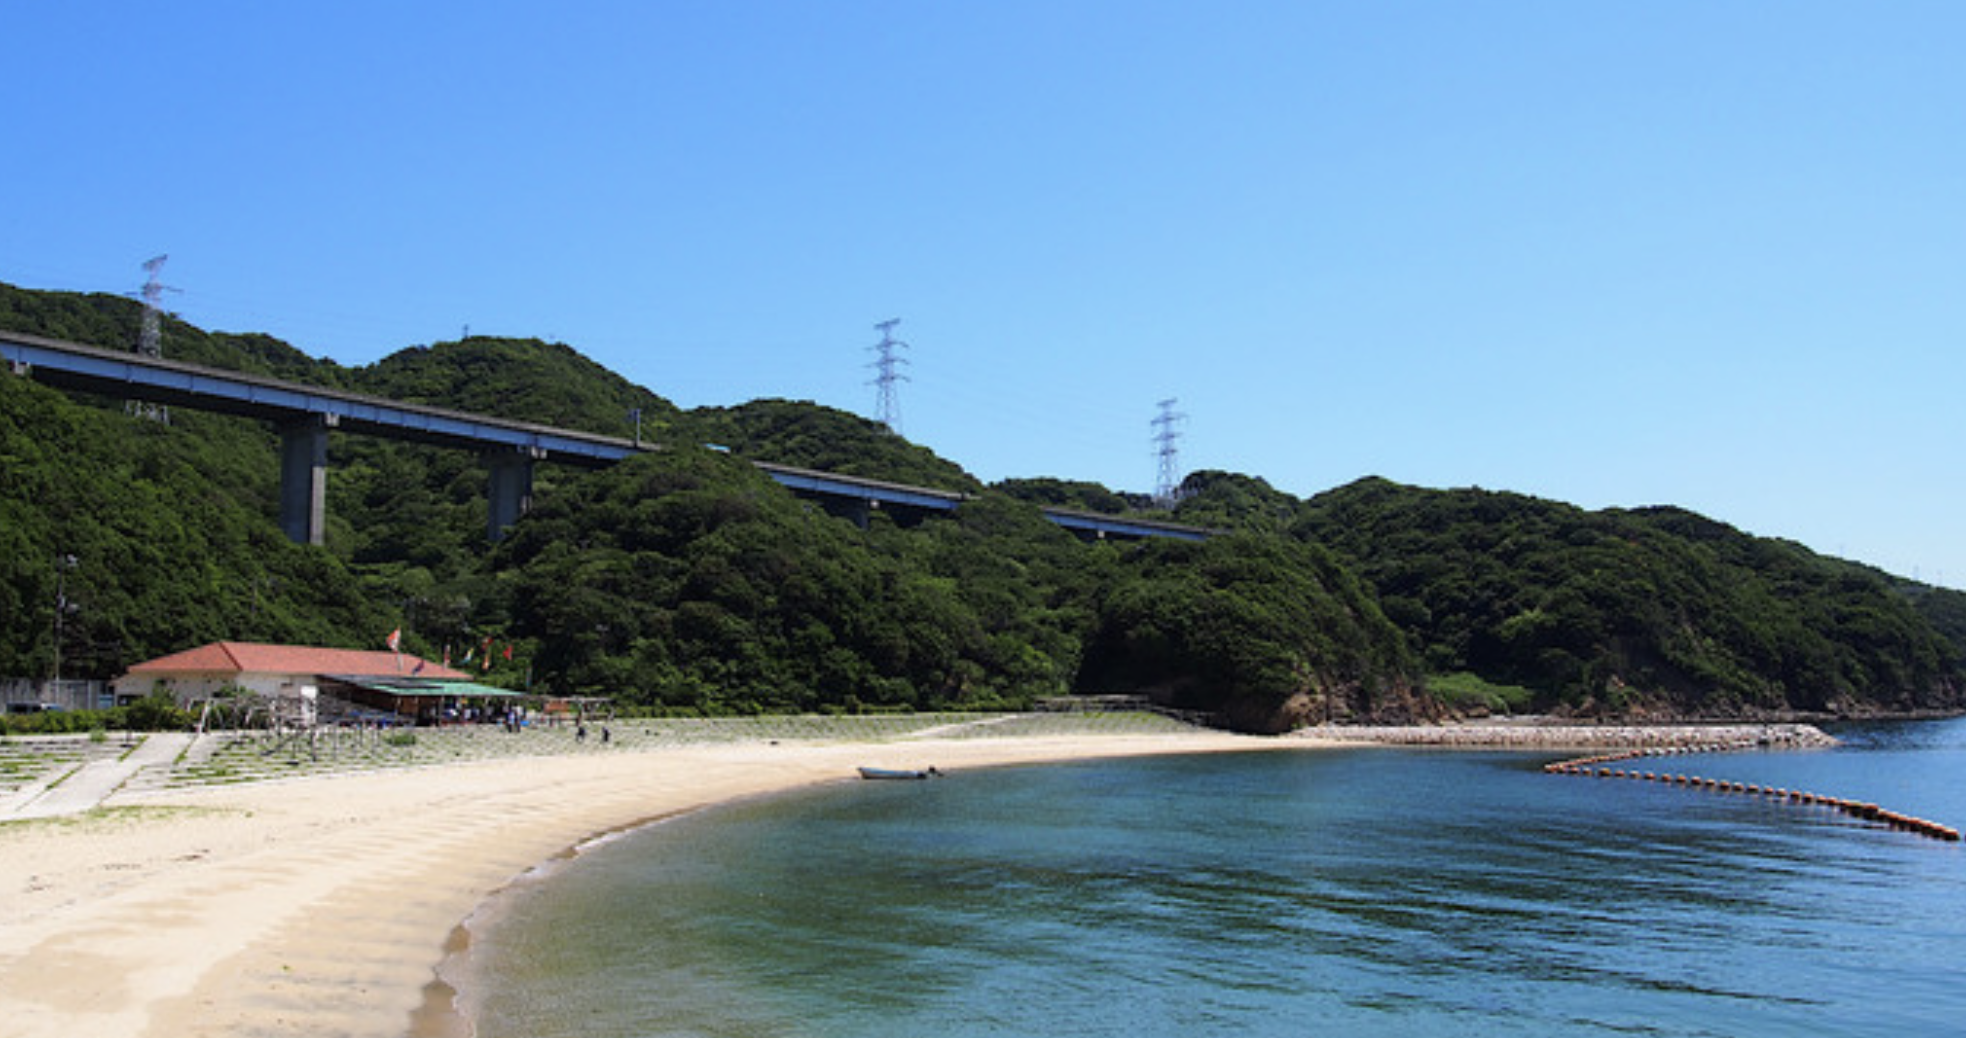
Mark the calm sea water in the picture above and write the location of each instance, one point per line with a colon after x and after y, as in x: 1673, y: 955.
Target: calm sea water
x: 1371, y: 892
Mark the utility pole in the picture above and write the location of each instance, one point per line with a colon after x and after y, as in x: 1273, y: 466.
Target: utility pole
x: 887, y: 408
x: 150, y: 341
x: 1167, y: 489
x: 63, y: 563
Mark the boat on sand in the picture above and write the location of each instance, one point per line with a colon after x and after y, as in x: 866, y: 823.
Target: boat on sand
x: 898, y: 773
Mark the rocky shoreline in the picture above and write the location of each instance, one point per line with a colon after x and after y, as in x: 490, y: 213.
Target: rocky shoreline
x: 1541, y: 735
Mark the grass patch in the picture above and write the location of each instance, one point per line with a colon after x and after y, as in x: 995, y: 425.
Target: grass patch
x: 101, y: 819
x: 1468, y: 693
x: 232, y: 758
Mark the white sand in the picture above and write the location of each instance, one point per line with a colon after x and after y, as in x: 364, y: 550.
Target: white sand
x: 322, y: 906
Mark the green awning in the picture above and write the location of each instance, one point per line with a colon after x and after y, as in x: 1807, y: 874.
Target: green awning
x: 415, y: 688
x: 477, y: 691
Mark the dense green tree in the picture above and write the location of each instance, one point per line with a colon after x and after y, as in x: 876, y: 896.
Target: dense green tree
x: 1226, y: 500
x: 97, y: 319
x: 806, y: 435
x: 164, y: 556
x: 1655, y: 609
x: 689, y: 579
x: 1030, y: 587
x: 115, y: 323
x: 522, y: 379
x: 1269, y: 632
x: 1086, y: 497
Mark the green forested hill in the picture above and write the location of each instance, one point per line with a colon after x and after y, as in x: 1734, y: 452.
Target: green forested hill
x: 686, y: 580
x: 1271, y: 632
x: 114, y: 322
x: 695, y: 580
x: 807, y: 436
x: 523, y: 379
x: 1656, y: 609
x: 170, y: 548
x: 1086, y: 497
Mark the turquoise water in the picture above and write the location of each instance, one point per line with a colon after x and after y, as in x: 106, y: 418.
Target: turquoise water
x: 1370, y: 892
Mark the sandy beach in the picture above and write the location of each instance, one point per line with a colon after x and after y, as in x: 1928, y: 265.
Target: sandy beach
x: 217, y: 905
x: 322, y: 905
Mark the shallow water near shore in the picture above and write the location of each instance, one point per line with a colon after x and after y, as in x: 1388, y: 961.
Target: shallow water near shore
x: 1344, y: 892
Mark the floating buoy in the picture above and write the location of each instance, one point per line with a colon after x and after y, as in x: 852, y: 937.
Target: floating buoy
x: 1593, y: 766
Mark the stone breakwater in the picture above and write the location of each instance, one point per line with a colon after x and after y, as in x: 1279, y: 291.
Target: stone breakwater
x: 1685, y: 738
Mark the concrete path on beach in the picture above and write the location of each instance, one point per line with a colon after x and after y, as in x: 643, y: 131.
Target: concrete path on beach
x: 90, y: 784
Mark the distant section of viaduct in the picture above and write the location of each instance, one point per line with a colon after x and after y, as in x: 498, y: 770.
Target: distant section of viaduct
x: 306, y: 414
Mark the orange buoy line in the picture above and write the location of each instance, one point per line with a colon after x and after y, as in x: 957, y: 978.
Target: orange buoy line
x: 1596, y: 766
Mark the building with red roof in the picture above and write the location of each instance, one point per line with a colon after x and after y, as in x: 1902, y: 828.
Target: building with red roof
x: 294, y: 676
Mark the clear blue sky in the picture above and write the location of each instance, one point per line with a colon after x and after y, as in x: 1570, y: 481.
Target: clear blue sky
x: 1706, y: 253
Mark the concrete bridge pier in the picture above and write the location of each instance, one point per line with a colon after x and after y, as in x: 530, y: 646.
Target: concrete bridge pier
x: 860, y: 511
x: 510, y: 488
x: 304, y: 477
x: 857, y: 510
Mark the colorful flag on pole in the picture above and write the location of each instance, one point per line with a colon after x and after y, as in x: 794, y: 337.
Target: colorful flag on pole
x: 395, y: 640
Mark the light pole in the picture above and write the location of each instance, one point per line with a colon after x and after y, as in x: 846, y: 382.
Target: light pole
x: 63, y: 563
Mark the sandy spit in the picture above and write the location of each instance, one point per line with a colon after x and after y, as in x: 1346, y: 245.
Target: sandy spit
x: 322, y: 906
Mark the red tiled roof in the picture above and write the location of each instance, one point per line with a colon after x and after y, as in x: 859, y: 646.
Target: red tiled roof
x: 251, y: 658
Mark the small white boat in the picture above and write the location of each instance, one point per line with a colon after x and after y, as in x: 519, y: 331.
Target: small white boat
x: 897, y: 773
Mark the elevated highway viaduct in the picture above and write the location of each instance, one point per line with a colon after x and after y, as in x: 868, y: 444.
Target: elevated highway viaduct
x: 304, y: 415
